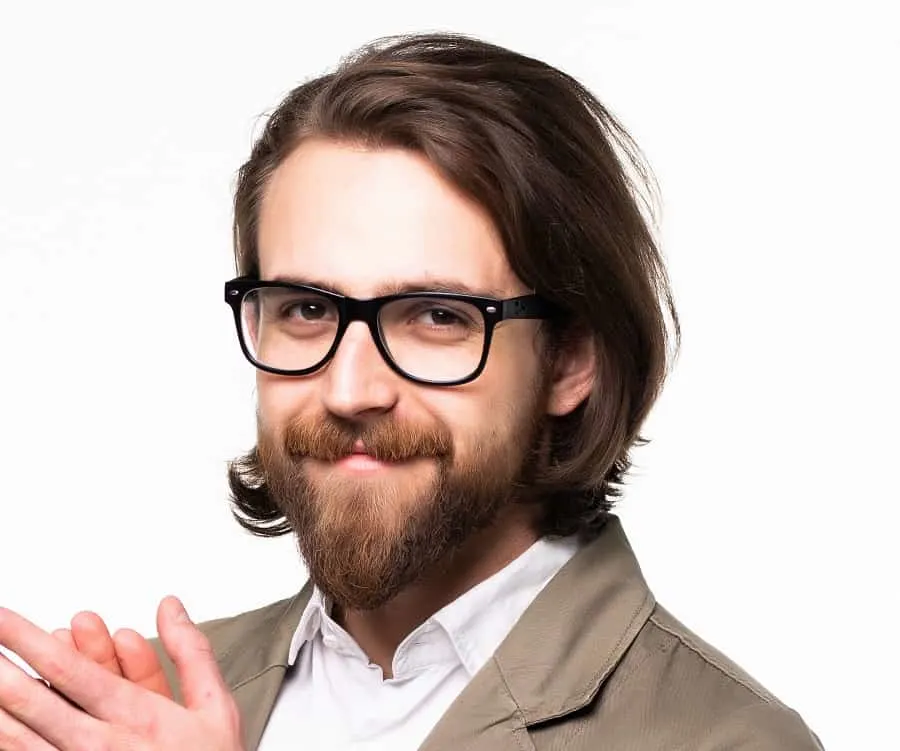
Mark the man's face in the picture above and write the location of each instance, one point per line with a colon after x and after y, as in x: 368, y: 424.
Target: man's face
x: 362, y: 223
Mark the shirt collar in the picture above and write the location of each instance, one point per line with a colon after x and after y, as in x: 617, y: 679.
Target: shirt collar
x: 478, y: 621
x: 316, y: 611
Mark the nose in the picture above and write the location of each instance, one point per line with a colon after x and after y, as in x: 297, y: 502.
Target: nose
x: 358, y: 382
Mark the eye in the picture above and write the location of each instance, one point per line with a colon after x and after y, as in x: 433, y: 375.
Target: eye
x: 305, y: 310
x: 430, y: 317
x: 440, y: 317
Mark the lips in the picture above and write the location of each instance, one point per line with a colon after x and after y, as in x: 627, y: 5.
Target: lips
x: 360, y: 460
x: 360, y: 457
x: 360, y: 451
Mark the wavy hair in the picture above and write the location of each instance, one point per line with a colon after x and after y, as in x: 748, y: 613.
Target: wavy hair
x: 572, y: 198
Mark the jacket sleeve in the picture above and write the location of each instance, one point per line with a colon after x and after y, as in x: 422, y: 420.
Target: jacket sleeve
x: 763, y: 726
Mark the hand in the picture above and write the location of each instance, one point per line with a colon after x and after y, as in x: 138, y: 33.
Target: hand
x: 127, y: 654
x: 115, y: 714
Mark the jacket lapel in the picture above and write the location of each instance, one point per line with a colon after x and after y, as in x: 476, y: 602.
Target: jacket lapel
x: 484, y: 717
x: 255, y: 663
x: 558, y: 654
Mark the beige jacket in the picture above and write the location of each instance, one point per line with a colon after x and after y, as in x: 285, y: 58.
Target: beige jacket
x: 594, y: 663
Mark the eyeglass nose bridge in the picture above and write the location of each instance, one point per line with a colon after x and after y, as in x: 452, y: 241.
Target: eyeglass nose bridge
x: 360, y: 310
x: 366, y: 311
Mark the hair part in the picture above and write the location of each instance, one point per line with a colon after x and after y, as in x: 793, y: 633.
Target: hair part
x: 572, y: 199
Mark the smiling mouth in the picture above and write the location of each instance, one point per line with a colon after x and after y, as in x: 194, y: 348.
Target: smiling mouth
x: 359, y: 459
x: 362, y: 462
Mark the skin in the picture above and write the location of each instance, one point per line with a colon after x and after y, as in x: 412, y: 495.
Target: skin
x: 362, y: 223
x: 126, y: 654
x: 104, y: 710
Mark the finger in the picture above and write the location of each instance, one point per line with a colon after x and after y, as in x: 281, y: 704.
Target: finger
x: 42, y: 712
x: 201, y: 681
x: 14, y: 736
x: 140, y: 663
x: 93, y: 640
x: 101, y: 694
x: 65, y: 636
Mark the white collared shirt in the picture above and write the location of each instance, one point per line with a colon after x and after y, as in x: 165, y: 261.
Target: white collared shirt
x: 333, y: 698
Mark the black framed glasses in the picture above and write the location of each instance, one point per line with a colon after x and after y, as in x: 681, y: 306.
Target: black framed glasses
x: 435, y: 338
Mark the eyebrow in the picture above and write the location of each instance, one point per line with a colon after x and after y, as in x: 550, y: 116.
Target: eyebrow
x: 399, y: 287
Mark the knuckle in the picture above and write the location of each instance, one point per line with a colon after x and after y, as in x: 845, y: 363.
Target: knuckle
x: 14, y: 691
x: 147, y: 727
x: 61, y: 673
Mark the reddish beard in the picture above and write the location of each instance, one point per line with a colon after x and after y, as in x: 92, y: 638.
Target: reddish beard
x: 365, y: 540
x: 386, y: 440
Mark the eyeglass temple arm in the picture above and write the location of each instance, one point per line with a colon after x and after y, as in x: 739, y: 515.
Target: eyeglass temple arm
x: 527, y: 306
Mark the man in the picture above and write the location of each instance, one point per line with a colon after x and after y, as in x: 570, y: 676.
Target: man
x: 459, y: 321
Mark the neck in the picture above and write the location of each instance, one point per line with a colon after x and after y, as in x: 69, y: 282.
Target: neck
x: 380, y: 631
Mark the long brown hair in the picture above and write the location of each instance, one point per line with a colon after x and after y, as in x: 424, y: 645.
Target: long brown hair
x: 571, y: 197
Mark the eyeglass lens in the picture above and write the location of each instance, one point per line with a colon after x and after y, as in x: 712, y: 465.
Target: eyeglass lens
x: 430, y: 338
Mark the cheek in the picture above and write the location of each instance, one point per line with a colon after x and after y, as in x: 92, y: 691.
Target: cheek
x: 485, y: 432
x: 511, y: 377
x: 280, y: 399
x: 505, y: 388
x: 516, y: 357
x: 486, y: 420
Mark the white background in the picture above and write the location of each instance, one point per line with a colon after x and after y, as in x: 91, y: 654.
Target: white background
x: 763, y: 511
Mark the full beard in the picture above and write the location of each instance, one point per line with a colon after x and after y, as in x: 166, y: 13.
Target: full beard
x: 365, y: 539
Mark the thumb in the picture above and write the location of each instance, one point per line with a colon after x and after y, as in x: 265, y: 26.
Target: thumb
x: 201, y: 681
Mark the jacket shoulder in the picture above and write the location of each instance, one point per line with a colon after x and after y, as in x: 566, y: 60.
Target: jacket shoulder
x: 730, y: 708
x: 676, y: 638
x: 672, y: 690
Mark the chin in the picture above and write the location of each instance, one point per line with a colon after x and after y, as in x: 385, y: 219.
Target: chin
x: 383, y: 496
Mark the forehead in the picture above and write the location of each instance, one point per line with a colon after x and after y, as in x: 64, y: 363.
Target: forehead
x: 362, y: 221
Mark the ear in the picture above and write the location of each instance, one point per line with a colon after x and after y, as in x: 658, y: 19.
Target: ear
x: 573, y: 376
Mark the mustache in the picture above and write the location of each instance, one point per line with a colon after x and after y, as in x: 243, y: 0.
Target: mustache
x: 386, y: 440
